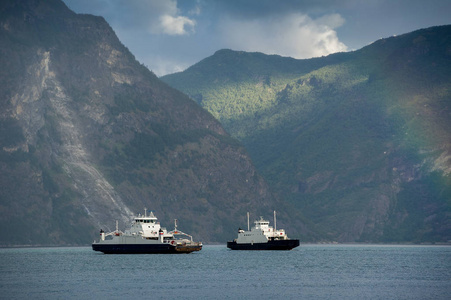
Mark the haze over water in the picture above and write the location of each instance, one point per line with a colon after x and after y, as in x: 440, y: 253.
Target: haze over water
x: 307, y: 272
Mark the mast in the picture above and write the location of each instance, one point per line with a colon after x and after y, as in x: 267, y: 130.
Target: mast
x: 247, y: 221
x: 275, y: 227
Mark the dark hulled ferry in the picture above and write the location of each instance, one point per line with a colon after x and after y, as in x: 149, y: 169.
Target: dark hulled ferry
x: 262, y: 237
x: 144, y: 237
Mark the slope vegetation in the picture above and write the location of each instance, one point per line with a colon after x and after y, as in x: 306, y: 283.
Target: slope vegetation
x: 358, y: 142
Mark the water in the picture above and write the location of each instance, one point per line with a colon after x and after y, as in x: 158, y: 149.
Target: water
x: 307, y: 272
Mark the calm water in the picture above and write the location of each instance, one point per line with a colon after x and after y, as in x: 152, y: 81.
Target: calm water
x: 307, y: 272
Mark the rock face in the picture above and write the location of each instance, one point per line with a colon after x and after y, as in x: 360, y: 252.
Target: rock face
x: 89, y: 136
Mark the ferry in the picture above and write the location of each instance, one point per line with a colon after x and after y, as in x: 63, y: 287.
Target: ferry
x: 146, y: 236
x: 262, y: 237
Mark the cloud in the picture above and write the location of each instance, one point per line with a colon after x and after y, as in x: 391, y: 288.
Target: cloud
x: 176, y: 25
x: 157, y: 16
x: 295, y: 34
x: 151, y: 16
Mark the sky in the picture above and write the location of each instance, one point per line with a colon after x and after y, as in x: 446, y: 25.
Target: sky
x: 168, y: 36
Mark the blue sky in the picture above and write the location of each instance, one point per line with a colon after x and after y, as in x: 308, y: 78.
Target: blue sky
x: 170, y: 35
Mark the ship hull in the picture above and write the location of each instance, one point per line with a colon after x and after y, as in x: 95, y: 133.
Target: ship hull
x: 144, y: 249
x: 270, y: 245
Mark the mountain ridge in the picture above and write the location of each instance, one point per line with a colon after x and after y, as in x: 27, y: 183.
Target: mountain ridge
x: 358, y: 141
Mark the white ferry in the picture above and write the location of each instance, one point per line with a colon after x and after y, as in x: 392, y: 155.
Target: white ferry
x: 262, y: 237
x: 146, y: 236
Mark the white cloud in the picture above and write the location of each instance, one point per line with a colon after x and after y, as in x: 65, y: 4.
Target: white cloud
x: 296, y: 35
x: 150, y: 16
x: 176, y: 25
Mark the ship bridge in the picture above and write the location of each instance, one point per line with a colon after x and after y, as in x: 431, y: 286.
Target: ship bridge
x: 148, y: 227
x: 146, y: 219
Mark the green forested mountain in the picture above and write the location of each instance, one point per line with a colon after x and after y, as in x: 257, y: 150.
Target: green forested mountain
x: 89, y: 136
x: 359, y: 142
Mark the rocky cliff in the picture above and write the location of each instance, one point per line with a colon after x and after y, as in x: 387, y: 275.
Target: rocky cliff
x: 89, y: 136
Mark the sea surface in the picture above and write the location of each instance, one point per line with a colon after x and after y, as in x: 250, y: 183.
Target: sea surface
x: 306, y: 272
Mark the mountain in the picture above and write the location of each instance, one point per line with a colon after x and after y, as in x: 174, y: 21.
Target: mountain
x: 358, y: 142
x: 89, y: 136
